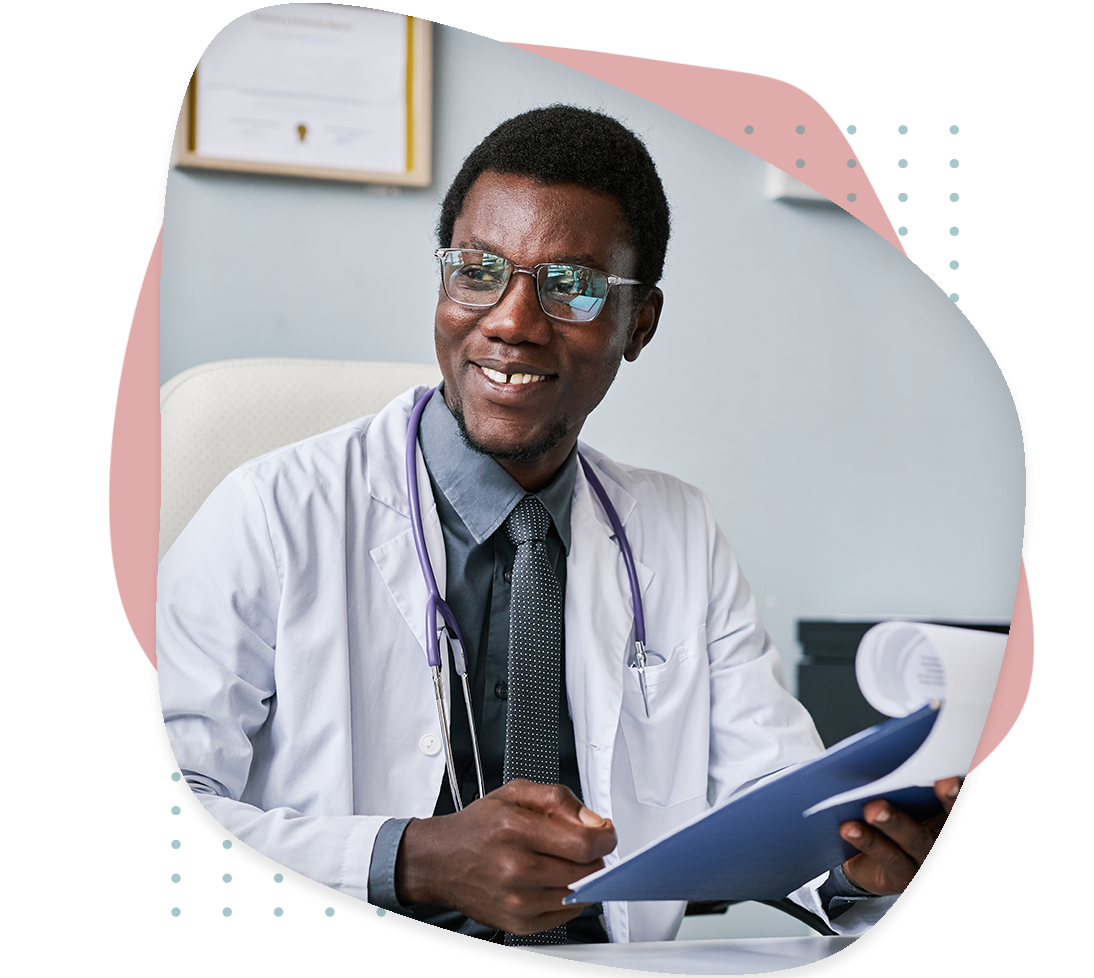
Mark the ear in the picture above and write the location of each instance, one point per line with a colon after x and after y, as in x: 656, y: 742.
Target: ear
x: 645, y: 324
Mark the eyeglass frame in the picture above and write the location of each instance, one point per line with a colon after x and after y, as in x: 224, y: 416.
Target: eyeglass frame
x: 533, y: 270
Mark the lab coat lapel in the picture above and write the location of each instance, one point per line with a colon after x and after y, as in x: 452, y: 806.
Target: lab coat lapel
x: 599, y: 631
x: 394, y: 553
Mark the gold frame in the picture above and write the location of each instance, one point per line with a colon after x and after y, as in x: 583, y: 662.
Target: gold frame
x: 419, y: 92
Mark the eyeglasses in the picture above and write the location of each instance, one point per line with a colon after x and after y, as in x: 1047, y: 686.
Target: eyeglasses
x: 572, y: 293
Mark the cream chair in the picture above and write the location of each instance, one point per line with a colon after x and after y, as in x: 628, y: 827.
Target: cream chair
x: 216, y: 416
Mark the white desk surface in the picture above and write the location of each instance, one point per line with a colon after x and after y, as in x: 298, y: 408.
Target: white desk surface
x: 746, y: 956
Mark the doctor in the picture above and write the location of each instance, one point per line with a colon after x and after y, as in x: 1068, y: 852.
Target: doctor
x: 291, y: 636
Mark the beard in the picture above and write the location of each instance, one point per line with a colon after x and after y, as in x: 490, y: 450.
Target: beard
x: 530, y: 452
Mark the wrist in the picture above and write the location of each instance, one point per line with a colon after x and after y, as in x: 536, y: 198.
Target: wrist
x: 846, y: 881
x: 406, y: 877
x: 414, y: 881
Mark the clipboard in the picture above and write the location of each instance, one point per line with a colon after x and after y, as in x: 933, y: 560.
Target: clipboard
x: 762, y: 845
x: 765, y: 843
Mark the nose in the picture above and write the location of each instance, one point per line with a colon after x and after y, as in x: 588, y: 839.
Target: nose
x: 518, y: 318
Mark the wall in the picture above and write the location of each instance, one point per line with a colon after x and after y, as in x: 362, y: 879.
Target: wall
x: 855, y: 435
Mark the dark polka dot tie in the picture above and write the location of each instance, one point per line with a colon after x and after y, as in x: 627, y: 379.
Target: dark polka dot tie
x: 535, y: 643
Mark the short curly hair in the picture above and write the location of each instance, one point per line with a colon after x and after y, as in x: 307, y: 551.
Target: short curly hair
x: 567, y: 144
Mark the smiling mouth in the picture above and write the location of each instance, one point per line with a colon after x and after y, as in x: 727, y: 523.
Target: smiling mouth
x: 503, y: 378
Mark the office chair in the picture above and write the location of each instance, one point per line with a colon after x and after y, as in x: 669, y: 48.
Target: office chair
x: 216, y: 416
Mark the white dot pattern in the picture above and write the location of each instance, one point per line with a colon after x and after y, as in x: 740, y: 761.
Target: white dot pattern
x: 535, y: 642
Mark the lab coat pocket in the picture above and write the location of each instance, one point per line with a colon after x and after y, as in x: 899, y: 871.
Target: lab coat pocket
x: 669, y: 749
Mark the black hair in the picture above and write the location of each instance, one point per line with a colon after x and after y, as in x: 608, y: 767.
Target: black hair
x: 566, y: 144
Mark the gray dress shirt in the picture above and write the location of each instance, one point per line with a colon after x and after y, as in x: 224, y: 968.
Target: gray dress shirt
x: 474, y: 495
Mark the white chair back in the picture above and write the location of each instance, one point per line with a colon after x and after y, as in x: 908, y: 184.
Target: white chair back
x: 216, y: 416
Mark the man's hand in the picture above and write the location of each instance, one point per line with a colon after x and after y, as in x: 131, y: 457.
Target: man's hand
x: 506, y: 860
x: 893, y: 845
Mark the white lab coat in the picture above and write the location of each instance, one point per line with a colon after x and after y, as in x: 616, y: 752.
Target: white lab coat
x: 291, y: 636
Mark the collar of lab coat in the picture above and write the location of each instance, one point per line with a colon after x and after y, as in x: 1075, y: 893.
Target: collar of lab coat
x: 599, y: 617
x: 395, y: 555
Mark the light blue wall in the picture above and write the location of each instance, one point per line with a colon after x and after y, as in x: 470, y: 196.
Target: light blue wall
x: 856, y: 437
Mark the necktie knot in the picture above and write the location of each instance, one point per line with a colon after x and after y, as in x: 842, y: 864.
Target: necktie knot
x: 529, y: 521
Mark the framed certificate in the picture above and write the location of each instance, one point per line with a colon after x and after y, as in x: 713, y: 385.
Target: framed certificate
x: 313, y: 90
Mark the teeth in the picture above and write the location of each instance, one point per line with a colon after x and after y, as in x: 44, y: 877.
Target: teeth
x: 499, y: 377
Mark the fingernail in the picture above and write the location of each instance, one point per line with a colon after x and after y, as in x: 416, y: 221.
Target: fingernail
x: 854, y: 832
x: 590, y: 818
x: 952, y: 793
x: 882, y: 816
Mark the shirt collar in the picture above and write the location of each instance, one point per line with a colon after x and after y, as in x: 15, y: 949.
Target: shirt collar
x: 481, y: 492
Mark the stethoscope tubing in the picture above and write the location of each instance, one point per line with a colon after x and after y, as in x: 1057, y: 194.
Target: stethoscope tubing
x: 436, y: 606
x: 624, y: 546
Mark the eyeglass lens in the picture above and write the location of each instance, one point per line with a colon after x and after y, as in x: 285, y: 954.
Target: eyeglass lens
x: 476, y: 278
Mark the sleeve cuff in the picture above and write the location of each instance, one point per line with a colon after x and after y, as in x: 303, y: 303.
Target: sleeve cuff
x: 381, y: 870
x: 838, y: 894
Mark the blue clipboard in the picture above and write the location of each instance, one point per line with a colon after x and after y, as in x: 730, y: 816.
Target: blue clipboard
x: 760, y: 846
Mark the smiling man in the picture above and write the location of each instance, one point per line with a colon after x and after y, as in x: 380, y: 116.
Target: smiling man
x: 296, y: 693
x: 522, y: 375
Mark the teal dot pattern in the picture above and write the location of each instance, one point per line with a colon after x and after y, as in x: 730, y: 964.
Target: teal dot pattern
x: 175, y: 877
x: 799, y: 164
x: 954, y: 296
x: 851, y: 164
x: 227, y: 911
x: 902, y: 231
x: 278, y: 911
x: 955, y: 164
x: 278, y: 877
x: 329, y: 911
x: 380, y: 911
x: 852, y: 197
x: 799, y: 129
x: 955, y: 197
x: 175, y: 843
x: 902, y: 130
x: 954, y: 130
x: 227, y: 843
x: 175, y: 776
x: 749, y: 130
x: 955, y: 264
x: 175, y: 911
x: 955, y: 231
x: 902, y: 163
x: 175, y: 809
x: 227, y: 877
x: 902, y: 197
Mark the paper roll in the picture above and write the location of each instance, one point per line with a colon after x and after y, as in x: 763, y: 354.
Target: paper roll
x: 901, y: 666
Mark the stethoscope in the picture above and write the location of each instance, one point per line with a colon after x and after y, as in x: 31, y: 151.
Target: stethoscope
x: 439, y: 619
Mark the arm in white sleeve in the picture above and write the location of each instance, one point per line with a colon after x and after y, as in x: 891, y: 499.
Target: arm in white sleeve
x: 219, y: 594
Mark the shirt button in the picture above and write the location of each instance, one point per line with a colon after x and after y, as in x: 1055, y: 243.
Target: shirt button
x: 507, y: 575
x: 501, y: 690
x: 430, y: 744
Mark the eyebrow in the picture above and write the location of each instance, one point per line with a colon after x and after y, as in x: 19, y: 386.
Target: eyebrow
x: 479, y: 244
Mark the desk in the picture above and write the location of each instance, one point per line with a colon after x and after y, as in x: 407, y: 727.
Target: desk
x: 747, y: 956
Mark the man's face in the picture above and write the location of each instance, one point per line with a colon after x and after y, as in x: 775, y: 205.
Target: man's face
x: 531, y: 427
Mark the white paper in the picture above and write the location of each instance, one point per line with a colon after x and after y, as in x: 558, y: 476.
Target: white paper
x: 901, y: 666
x: 307, y: 85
